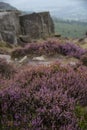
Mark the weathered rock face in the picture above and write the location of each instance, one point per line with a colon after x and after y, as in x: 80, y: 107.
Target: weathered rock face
x: 37, y: 25
x: 9, y: 26
x: 15, y: 28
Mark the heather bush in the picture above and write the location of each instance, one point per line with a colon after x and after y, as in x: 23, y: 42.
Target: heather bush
x: 46, y: 48
x: 71, y: 49
x: 84, y: 59
x: 74, y: 81
x: 4, y: 83
x: 36, y: 109
x: 18, y: 53
x: 6, y: 69
x: 44, y: 98
x: 50, y: 48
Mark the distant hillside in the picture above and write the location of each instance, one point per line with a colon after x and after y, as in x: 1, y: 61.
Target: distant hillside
x: 70, y: 29
x: 6, y: 7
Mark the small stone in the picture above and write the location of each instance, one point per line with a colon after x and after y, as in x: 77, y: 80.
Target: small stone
x: 40, y: 58
x: 23, y: 59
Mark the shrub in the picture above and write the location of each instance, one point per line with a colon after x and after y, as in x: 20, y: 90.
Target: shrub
x: 44, y: 98
x: 6, y: 69
x: 50, y: 48
x: 74, y: 81
x: 84, y: 59
x: 4, y: 83
x: 18, y: 53
x: 37, y: 109
x: 71, y: 49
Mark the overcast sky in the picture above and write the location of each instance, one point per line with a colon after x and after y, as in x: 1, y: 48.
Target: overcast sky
x: 68, y: 9
x: 43, y: 4
x: 31, y: 4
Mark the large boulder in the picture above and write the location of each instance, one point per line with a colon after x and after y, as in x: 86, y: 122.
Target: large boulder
x: 9, y: 26
x: 37, y: 25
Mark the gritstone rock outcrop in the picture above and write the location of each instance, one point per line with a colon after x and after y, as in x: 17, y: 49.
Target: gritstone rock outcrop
x: 15, y: 27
